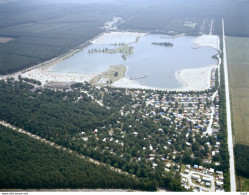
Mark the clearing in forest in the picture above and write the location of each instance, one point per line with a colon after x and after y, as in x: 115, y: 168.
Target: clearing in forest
x: 5, y: 39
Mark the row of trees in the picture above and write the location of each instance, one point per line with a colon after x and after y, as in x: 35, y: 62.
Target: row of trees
x: 222, y: 135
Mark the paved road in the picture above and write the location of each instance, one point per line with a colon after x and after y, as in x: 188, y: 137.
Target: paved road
x: 188, y: 176
x: 229, y: 123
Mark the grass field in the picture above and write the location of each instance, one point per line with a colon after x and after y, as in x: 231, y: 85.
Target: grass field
x: 238, y: 70
x: 244, y: 184
x: 111, y: 75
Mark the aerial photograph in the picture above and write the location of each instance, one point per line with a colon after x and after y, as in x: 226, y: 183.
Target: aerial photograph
x: 124, y: 96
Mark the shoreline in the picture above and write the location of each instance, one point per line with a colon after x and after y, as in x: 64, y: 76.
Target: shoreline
x: 100, y: 40
x: 187, y: 77
x: 207, y: 41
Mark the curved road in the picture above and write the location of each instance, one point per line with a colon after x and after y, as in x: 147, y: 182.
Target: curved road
x: 188, y: 176
x: 229, y: 121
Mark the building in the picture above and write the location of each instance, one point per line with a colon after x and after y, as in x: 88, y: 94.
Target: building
x: 195, y: 177
x: 219, y: 183
x: 206, y: 179
x: 211, y: 170
x: 54, y: 85
x: 186, y: 171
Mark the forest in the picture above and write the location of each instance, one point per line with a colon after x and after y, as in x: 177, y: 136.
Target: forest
x: 242, y: 160
x: 29, y: 164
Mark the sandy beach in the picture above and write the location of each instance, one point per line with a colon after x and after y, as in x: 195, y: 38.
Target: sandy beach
x: 129, y: 83
x: 208, y: 41
x: 195, y: 79
x: 44, y: 75
x: 117, y: 37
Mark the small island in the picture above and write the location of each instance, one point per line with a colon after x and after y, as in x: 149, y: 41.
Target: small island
x: 166, y: 44
x: 125, y: 50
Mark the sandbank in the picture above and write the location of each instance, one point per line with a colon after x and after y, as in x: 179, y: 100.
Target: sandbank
x: 126, y: 82
x: 208, y: 41
x: 44, y: 75
x: 195, y: 79
x: 117, y: 37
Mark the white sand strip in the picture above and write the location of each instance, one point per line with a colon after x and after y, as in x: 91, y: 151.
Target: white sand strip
x: 117, y: 37
x: 195, y: 79
x: 129, y: 83
x: 44, y: 75
x: 208, y: 41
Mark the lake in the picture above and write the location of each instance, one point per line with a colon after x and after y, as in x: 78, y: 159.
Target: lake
x: 158, y: 63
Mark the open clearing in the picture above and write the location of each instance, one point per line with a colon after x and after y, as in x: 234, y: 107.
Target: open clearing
x: 245, y: 184
x: 238, y: 70
x: 5, y: 39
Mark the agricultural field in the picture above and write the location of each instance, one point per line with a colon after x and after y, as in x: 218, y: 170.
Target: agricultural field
x: 245, y: 184
x: 238, y: 68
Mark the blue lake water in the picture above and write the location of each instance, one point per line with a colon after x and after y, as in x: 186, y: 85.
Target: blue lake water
x: 159, y: 63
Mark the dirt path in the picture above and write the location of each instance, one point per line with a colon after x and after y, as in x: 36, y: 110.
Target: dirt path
x: 229, y: 121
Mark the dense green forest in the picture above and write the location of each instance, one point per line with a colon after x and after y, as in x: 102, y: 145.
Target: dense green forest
x: 242, y: 160
x: 29, y: 164
x: 42, y: 30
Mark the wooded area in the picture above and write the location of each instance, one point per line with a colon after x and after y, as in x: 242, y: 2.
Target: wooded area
x: 242, y: 160
x: 29, y: 164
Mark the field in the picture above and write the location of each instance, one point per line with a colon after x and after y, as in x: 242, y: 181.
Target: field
x: 111, y: 75
x: 238, y: 68
x: 244, y: 184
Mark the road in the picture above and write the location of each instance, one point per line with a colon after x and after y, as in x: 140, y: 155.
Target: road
x: 188, y: 176
x: 229, y: 121
x: 209, y: 128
